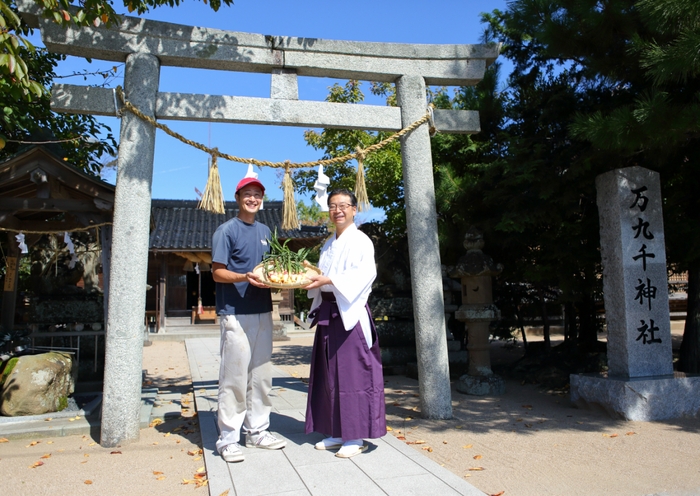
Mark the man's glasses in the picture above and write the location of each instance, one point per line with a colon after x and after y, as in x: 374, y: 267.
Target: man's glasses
x: 342, y: 206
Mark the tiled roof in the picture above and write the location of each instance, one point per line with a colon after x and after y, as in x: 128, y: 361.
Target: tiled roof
x: 180, y: 225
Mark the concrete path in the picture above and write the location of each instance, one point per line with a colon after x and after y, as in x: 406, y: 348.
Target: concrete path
x: 388, y: 467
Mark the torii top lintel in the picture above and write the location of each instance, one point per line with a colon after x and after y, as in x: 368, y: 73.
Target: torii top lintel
x: 205, y: 48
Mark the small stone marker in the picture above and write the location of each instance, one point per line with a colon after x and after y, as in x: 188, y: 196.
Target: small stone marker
x: 635, y: 281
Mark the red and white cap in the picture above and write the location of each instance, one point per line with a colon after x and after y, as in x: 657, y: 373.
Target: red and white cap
x: 247, y: 181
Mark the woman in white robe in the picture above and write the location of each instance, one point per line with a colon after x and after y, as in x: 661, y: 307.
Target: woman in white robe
x: 346, y: 386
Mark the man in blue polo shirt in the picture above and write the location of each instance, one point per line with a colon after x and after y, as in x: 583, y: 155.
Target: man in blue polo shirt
x: 244, y: 306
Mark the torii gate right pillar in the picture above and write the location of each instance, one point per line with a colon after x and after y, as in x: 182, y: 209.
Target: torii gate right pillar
x: 424, y: 253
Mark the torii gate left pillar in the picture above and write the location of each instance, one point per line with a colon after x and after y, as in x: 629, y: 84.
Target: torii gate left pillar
x: 132, y: 204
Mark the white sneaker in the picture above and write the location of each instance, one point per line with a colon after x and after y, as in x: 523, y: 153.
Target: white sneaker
x: 264, y: 440
x: 329, y: 443
x: 232, y: 453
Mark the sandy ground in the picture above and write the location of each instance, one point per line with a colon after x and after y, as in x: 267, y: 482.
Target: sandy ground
x: 529, y: 441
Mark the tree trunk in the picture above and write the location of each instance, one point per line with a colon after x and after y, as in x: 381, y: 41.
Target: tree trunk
x: 545, y: 321
x: 587, y: 331
x: 519, y: 315
x: 690, y: 347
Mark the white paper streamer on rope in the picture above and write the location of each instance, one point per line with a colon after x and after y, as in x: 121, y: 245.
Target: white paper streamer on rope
x: 21, y: 243
x: 321, y: 187
x: 253, y: 174
x: 196, y: 268
x: 71, y: 250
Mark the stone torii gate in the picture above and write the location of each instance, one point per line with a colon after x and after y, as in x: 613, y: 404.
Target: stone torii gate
x: 145, y: 46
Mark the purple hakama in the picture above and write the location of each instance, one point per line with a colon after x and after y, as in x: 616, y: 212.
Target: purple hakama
x: 346, y: 384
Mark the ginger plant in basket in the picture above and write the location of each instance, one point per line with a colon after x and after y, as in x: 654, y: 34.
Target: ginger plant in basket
x: 284, y: 266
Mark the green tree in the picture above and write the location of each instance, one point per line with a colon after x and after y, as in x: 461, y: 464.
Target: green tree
x: 15, y: 69
x: 79, y: 139
x: 382, y: 169
x: 630, y: 96
x: 657, y: 125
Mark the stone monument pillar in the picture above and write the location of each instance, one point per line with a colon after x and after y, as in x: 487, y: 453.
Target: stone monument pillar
x: 640, y: 384
x: 424, y: 253
x: 476, y: 270
x: 121, y: 403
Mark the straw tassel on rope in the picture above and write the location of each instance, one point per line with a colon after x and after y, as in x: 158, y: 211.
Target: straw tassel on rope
x: 360, y: 186
x: 289, y: 219
x: 213, y: 196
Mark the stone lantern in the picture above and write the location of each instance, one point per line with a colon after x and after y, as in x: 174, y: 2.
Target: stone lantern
x: 476, y: 270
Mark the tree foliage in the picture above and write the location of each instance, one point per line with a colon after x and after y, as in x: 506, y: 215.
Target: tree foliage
x: 16, y: 72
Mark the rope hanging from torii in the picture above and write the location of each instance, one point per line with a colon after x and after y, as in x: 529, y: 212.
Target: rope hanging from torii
x: 213, y: 198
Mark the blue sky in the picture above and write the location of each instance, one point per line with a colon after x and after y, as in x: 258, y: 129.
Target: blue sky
x: 179, y: 169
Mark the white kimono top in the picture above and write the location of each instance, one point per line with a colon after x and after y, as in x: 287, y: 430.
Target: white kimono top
x: 349, y: 262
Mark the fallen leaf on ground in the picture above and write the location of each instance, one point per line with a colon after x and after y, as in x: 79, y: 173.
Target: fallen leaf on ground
x: 225, y: 493
x: 156, y: 472
x: 88, y: 482
x: 630, y: 433
x: 49, y: 442
x: 36, y: 464
x: 498, y: 494
x: 467, y: 475
x: 444, y: 442
x: 167, y: 434
x: 201, y: 470
x: 197, y: 458
x: 92, y: 444
x: 155, y: 443
x: 478, y: 457
x: 613, y: 435
x: 389, y: 428
x: 115, y: 453
x: 194, y: 452
x: 605, y: 435
x: 155, y: 422
x: 86, y: 455
x: 4, y: 440
x: 428, y: 449
x: 408, y: 418
x: 162, y: 477
x: 33, y: 443
x: 47, y: 455
x: 47, y: 419
x: 402, y: 438
x: 476, y: 469
x: 467, y: 446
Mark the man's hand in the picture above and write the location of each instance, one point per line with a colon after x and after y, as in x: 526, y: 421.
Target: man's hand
x: 255, y: 280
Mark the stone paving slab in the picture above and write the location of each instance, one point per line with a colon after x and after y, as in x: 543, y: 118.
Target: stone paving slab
x: 388, y: 467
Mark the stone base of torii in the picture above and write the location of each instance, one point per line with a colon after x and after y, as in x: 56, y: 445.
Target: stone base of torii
x: 147, y: 45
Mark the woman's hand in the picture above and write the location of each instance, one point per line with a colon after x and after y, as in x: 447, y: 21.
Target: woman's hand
x: 318, y: 281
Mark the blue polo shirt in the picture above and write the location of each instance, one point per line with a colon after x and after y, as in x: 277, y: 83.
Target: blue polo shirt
x: 240, y: 247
